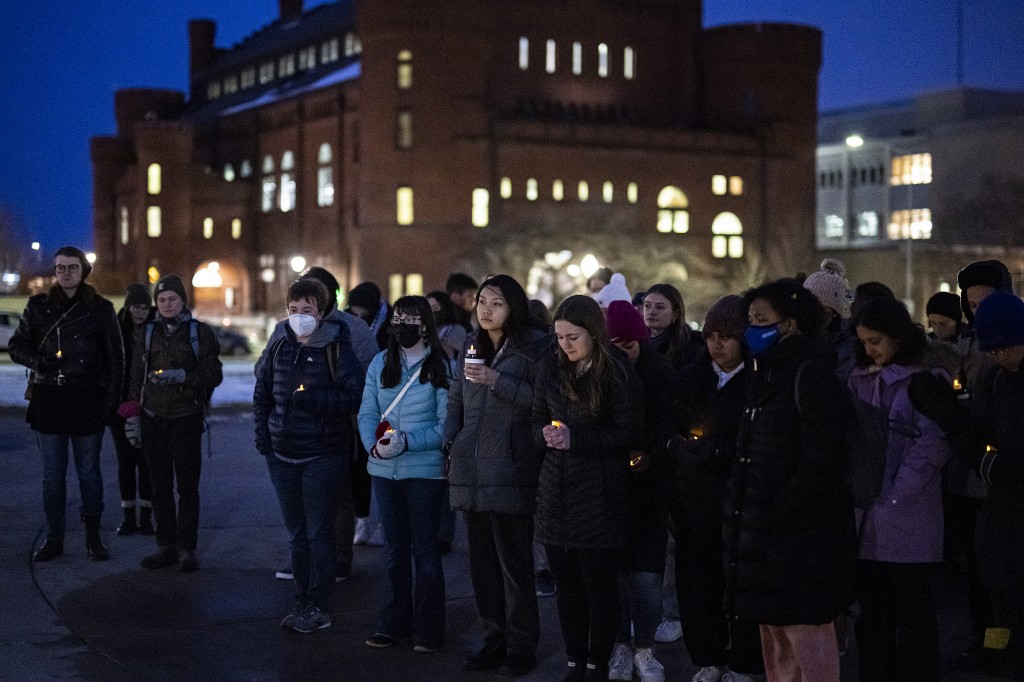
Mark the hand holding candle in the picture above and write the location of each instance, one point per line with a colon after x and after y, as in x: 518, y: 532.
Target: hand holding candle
x: 556, y: 435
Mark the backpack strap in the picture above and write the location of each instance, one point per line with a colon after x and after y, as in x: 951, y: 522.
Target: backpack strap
x: 193, y: 337
x: 333, y: 352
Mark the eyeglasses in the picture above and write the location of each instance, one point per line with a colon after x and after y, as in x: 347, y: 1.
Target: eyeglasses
x: 1000, y: 351
x: 74, y: 267
x: 408, y: 319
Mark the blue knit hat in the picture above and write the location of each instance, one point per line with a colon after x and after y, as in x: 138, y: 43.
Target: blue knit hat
x: 999, y: 321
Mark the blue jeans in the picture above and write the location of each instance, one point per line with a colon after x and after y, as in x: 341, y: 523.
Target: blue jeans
x: 410, y: 513
x: 308, y: 495
x: 54, y: 448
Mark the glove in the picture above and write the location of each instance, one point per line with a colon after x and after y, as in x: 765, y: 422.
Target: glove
x: 167, y: 377
x: 391, y: 445
x: 48, y: 364
x: 133, y: 430
x: 129, y: 408
x: 935, y: 398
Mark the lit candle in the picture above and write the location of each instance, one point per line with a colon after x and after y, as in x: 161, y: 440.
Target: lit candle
x: 557, y: 424
x: 471, y: 356
x: 60, y: 354
x: 957, y: 385
x: 300, y: 388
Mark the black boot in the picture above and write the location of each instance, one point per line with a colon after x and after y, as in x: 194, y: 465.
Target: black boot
x: 577, y: 670
x: 145, y: 520
x: 128, y: 525
x: 49, y: 549
x: 93, y: 544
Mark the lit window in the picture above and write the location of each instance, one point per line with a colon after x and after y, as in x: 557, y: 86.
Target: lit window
x: 246, y: 169
x: 236, y: 228
x: 307, y: 58
x: 673, y: 215
x: 414, y: 284
x: 404, y: 285
x: 550, y: 57
x: 350, y: 44
x: 583, y: 190
x: 358, y: 47
x: 404, y: 75
x: 269, y: 193
x: 735, y: 185
x: 329, y: 51
x: 531, y: 189
x: 229, y: 172
x: 287, y: 160
x: 867, y: 224
x: 286, y: 65
x: 213, y: 90
x: 911, y: 169
x: 557, y: 190
x: 266, y: 72
x: 505, y: 189
x: 913, y: 224
x: 324, y: 154
x: 153, y: 221
x: 230, y: 85
x: 403, y: 199
x: 481, y: 207
x: 602, y: 60
x: 125, y: 225
x: 728, y: 236
x: 287, y: 192
x: 396, y: 287
x: 719, y: 185
x: 524, y: 53
x: 207, y: 228
x: 607, y: 192
x: 577, y: 58
x: 403, y: 129
x: 154, y: 182
x: 325, y: 176
x: 248, y: 78
x: 628, y: 63
x: 632, y: 193
x: 835, y: 227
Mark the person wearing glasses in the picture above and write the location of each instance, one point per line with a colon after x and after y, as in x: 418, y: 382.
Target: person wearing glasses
x: 401, y: 415
x: 70, y: 339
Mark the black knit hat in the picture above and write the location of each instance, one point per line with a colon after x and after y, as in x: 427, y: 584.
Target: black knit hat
x: 365, y: 295
x: 989, y: 273
x: 137, y: 294
x: 171, y: 283
x: 946, y: 304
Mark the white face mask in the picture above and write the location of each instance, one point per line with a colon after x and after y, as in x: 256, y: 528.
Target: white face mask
x: 302, y: 325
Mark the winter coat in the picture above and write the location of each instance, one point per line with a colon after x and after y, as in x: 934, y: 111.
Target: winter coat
x: 494, y: 462
x: 905, y: 524
x: 361, y: 338
x: 173, y: 350
x: 82, y: 394
x: 581, y: 493
x: 128, y: 332
x: 316, y: 420
x: 977, y: 374
x: 789, y: 523
x: 420, y: 414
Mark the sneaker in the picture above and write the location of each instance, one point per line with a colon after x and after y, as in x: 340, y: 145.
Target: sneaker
x: 709, y: 673
x: 742, y: 677
x: 165, y: 556
x: 422, y: 648
x: 620, y: 666
x: 300, y: 606
x: 285, y: 574
x: 517, y: 665
x: 188, y: 561
x: 491, y: 655
x: 648, y: 669
x: 545, y: 584
x: 381, y: 641
x: 48, y: 550
x: 668, y: 631
x: 362, y: 532
x: 311, y: 618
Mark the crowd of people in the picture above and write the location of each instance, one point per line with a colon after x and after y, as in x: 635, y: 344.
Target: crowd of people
x: 674, y: 482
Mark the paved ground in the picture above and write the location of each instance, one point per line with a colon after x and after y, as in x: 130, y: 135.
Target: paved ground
x: 76, y: 620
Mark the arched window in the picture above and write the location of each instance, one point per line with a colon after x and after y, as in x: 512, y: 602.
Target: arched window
x: 268, y: 164
x: 287, y: 160
x: 229, y: 172
x: 153, y: 179
x: 324, y: 176
x: 481, y: 207
x: 246, y: 169
x: 727, y: 239
x: 404, y: 70
x: 672, y: 213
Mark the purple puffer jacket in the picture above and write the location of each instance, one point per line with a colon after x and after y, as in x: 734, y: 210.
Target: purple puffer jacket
x: 905, y: 524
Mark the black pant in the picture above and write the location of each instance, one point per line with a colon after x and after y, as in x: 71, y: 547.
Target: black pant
x: 501, y: 569
x: 897, y: 630
x: 588, y: 599
x: 359, y: 480
x: 133, y: 479
x: 174, y: 451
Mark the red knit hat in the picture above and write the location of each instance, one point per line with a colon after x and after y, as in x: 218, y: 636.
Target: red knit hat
x: 625, y: 324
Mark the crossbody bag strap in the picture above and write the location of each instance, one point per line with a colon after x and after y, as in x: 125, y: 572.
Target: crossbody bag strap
x: 414, y: 377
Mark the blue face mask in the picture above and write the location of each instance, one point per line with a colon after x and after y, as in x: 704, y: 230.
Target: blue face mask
x: 760, y: 339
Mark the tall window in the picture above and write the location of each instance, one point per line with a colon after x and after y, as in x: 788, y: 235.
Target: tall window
x: 229, y: 172
x: 577, y: 58
x: 727, y: 239
x: 403, y: 201
x: 913, y: 224
x: 481, y: 207
x: 266, y: 72
x: 524, y: 53
x: 350, y: 44
x: 286, y: 65
x: 505, y: 188
x: 213, y: 90
x: 404, y: 71
x: 632, y: 193
x: 245, y: 170
x: 607, y: 192
x: 207, y: 228
x: 236, y: 228
x: 583, y: 190
x: 673, y: 215
x: 125, y: 225
x: 154, y: 180
x: 230, y: 84
x: 867, y: 224
x: 269, y: 184
x: 628, y: 63
x: 911, y: 169
x: 248, y: 78
x: 719, y: 185
x: 550, y: 57
x: 403, y: 129
x: 287, y: 198
x: 307, y: 58
x: 735, y: 185
x: 325, y: 176
x: 405, y: 285
x: 531, y: 189
x: 602, y: 60
x: 557, y: 190
x: 329, y: 51
x: 153, y: 221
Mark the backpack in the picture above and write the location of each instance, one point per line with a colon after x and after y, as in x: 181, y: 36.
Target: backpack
x: 868, y: 443
x: 333, y: 351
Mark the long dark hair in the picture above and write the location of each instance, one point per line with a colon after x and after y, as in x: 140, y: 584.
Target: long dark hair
x: 519, y: 320
x: 435, y: 366
x: 678, y: 331
x: 890, y: 317
x: 584, y: 311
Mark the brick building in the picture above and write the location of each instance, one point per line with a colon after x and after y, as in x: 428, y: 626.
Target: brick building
x: 398, y: 141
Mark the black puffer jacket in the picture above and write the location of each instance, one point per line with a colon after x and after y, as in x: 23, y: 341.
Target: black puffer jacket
x: 494, y: 461
x: 581, y: 496
x: 317, y: 420
x: 789, y: 524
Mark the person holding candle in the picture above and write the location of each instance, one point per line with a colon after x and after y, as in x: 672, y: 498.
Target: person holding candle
x: 494, y: 469
x: 308, y: 386
x: 70, y: 339
x: 587, y: 406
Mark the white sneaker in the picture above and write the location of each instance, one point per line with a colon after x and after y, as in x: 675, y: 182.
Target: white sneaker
x: 647, y: 667
x: 668, y: 631
x: 742, y: 677
x: 709, y: 673
x: 362, y: 532
x: 620, y: 666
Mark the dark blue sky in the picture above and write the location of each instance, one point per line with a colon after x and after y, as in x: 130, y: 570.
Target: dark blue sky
x: 60, y: 63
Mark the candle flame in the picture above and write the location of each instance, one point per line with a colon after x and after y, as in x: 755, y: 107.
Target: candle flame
x: 957, y: 385
x: 60, y: 354
x: 557, y: 424
x: 301, y: 388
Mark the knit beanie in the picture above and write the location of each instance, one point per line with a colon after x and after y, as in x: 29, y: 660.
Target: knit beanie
x: 137, y: 294
x: 946, y: 304
x: 989, y: 273
x: 614, y: 291
x: 999, y: 321
x: 625, y: 324
x: 171, y: 283
x: 726, y: 317
x: 830, y: 286
x: 365, y: 295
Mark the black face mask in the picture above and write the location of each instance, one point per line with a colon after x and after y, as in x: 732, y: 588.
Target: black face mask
x: 407, y: 335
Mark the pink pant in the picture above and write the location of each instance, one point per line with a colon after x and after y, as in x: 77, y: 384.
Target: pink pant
x: 800, y: 653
